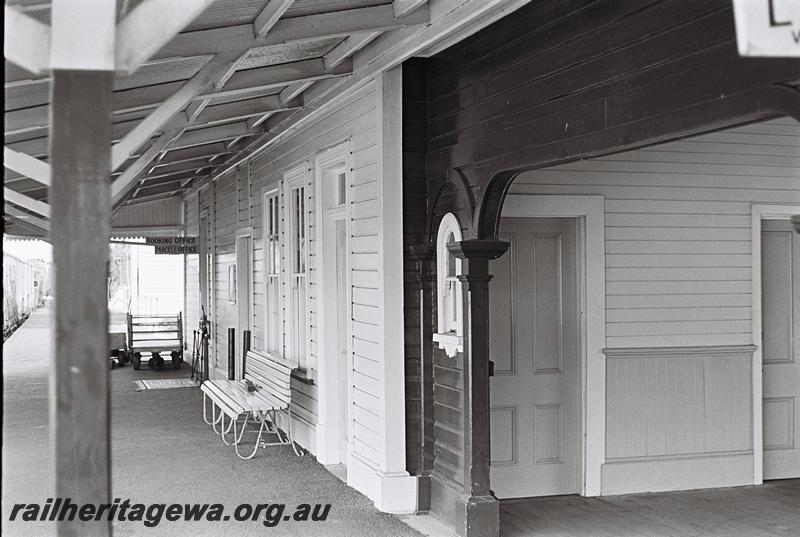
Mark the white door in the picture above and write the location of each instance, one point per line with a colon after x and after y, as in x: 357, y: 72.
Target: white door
x: 342, y: 330
x: 244, y: 292
x: 780, y: 272
x: 535, y: 441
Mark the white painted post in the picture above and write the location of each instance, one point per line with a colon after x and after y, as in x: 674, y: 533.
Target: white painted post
x: 398, y: 489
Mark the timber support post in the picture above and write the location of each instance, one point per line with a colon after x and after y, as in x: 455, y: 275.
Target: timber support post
x: 80, y: 201
x: 477, y: 511
x: 425, y: 285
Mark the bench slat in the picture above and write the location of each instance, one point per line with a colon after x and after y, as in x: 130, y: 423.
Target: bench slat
x: 218, y: 396
x: 279, y: 383
x: 272, y: 377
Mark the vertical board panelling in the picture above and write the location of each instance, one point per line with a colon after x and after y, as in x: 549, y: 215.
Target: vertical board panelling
x: 677, y: 404
x: 354, y: 120
x: 678, y: 264
x: 164, y: 212
x: 225, y: 225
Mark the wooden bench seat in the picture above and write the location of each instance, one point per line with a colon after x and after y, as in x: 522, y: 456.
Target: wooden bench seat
x: 271, y: 399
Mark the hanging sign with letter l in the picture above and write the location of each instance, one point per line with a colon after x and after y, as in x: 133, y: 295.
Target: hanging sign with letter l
x: 768, y: 27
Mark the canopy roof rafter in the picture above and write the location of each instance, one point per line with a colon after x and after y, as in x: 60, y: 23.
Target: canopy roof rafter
x: 204, y: 98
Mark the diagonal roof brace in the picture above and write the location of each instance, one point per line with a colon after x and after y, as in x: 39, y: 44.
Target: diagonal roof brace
x: 30, y: 167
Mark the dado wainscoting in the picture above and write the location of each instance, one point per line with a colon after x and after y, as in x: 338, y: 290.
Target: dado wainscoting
x: 678, y: 417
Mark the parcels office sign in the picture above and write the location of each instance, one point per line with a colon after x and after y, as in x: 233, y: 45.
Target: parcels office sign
x: 768, y: 27
x: 173, y: 245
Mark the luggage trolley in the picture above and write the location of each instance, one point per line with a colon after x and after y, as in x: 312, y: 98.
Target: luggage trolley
x: 155, y: 334
x: 118, y: 348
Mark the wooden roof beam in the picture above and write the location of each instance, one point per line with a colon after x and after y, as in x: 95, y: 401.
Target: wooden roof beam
x: 122, y: 184
x: 29, y: 166
x: 174, y: 155
x: 175, y: 139
x: 162, y: 115
x: 370, y: 61
x: 404, y: 7
x: 247, y: 82
x: 177, y: 167
x: 244, y: 109
x: 32, y: 220
x: 265, y: 20
x: 168, y: 177
x: 208, y: 135
x: 27, y: 41
x: 173, y: 186
x: 275, y: 76
x: 348, y: 47
x: 38, y: 207
x: 149, y: 26
x: 166, y: 161
x: 304, y: 28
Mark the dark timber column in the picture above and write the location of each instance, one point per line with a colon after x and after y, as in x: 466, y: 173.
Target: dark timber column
x: 80, y: 200
x: 477, y: 512
x: 424, y: 255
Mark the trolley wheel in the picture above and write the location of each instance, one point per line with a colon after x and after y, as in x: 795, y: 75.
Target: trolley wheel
x: 176, y: 359
x: 137, y: 360
x: 113, y: 363
x: 159, y: 360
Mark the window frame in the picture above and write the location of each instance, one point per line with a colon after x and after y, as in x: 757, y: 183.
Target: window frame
x: 449, y: 296
x: 270, y: 276
x: 296, y: 341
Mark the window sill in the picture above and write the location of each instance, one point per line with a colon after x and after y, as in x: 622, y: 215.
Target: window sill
x: 302, y: 376
x: 450, y: 342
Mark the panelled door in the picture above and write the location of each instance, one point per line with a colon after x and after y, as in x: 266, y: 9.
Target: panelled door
x: 780, y: 274
x: 535, y: 423
x: 342, y: 331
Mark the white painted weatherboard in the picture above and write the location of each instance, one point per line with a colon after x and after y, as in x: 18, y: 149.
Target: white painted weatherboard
x: 678, y: 275
x: 678, y: 229
x: 374, y: 467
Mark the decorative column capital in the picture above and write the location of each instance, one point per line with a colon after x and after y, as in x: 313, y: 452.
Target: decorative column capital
x: 424, y: 254
x: 478, y: 249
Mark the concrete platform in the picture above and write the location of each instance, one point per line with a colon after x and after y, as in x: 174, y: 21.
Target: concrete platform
x: 162, y: 452
x: 768, y: 510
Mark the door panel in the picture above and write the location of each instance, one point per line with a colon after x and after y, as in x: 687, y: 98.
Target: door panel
x: 342, y: 330
x: 534, y: 344
x: 780, y: 307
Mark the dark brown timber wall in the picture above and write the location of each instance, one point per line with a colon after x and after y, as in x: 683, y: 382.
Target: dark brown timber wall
x: 557, y: 80
x: 415, y: 145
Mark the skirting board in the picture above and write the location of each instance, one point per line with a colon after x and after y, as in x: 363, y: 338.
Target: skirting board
x: 706, y: 471
x: 304, y: 434
x: 391, y: 493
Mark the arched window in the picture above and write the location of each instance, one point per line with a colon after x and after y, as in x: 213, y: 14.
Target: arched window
x: 448, y: 288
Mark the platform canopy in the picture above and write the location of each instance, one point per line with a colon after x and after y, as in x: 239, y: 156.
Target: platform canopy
x: 201, y: 84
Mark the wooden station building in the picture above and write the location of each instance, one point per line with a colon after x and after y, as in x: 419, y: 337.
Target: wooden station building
x: 516, y: 248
